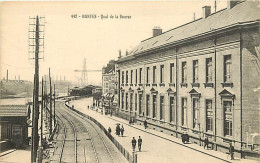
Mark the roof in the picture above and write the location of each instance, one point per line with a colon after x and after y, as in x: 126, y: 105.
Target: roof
x: 13, y: 110
x: 247, y: 11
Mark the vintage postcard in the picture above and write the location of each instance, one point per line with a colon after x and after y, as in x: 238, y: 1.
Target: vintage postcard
x: 130, y: 81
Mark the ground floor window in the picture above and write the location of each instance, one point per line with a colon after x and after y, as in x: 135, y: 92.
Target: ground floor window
x: 228, y: 118
x: 154, y: 106
x: 126, y: 101
x: 147, y: 105
x: 195, y: 107
x: 131, y: 101
x: 122, y: 101
x: 140, y: 103
x: 162, y: 107
x: 209, y: 116
x: 172, y: 109
x: 136, y: 102
x: 184, y: 111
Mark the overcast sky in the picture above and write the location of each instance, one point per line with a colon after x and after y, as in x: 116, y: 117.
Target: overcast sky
x: 69, y: 40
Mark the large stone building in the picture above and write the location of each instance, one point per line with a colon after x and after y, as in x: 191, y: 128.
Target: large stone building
x: 201, y: 78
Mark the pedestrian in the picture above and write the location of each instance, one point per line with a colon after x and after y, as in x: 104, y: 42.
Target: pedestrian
x: 88, y: 106
x: 122, y: 131
x: 133, y: 143
x: 109, y: 130
x: 140, y: 143
x: 130, y: 121
x: 231, y: 151
x: 118, y: 130
x: 206, y: 142
x: 145, y: 124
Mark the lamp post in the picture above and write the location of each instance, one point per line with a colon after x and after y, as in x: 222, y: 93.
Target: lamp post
x: 199, y: 133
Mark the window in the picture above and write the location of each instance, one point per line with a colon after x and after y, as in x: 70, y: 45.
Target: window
x: 140, y: 103
x: 227, y: 68
x: 131, y: 79
x: 147, y: 74
x: 209, y: 70
x: 162, y: 74
x: 154, y: 74
x: 131, y: 101
x: 123, y: 77
x: 136, y: 76
x: 154, y: 106
x: 184, y: 111
x: 147, y: 105
x: 126, y: 101
x: 172, y: 109
x: 123, y: 100
x: 195, y: 107
x: 162, y: 111
x: 136, y: 102
x: 126, y: 74
x: 195, y: 71
x: 171, y: 72
x: 209, y: 116
x: 228, y: 118
x: 140, y: 75
x: 184, y: 72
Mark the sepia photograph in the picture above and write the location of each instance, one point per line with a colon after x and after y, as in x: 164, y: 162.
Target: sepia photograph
x: 127, y: 81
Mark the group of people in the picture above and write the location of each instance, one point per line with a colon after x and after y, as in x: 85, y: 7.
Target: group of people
x: 139, y: 141
x: 119, y: 130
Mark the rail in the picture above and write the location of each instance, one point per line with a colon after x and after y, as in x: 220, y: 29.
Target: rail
x: 126, y: 154
x: 75, y: 140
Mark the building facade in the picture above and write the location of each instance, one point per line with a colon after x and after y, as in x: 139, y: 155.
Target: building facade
x: 201, y: 78
x: 109, y: 85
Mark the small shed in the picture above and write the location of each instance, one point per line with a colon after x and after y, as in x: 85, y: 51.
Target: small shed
x: 13, y: 124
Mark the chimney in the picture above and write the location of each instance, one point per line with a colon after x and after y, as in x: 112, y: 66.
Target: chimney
x: 157, y: 31
x: 206, y: 11
x: 6, y: 75
x: 232, y: 3
x: 119, y: 55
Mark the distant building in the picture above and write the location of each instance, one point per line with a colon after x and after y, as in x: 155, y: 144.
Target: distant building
x: 109, y: 85
x: 201, y: 78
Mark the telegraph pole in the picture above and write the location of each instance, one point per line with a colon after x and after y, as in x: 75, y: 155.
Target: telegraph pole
x: 54, y: 114
x: 42, y: 103
x: 36, y: 44
x: 36, y: 93
x: 50, y: 102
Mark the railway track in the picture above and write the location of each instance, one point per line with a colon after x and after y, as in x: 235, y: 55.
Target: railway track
x: 85, y: 138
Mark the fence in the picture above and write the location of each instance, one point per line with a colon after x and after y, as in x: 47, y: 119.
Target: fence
x: 126, y: 154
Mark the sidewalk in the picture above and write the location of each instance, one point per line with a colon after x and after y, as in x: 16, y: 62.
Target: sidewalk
x: 19, y: 155
x: 157, y: 147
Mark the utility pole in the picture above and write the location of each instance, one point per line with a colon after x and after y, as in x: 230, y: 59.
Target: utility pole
x: 36, y: 43
x: 33, y: 125
x: 36, y: 93
x: 42, y: 103
x: 54, y: 114
x: 50, y: 102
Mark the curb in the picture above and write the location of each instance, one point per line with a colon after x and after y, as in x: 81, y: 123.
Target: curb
x: 7, y: 152
x: 172, y: 141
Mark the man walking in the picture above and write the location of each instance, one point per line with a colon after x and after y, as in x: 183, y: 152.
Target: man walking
x: 231, y: 151
x: 206, y: 143
x: 145, y: 124
x: 133, y: 143
x: 140, y: 143
x: 122, y: 130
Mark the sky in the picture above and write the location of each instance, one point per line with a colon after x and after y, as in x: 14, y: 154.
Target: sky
x: 68, y: 40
